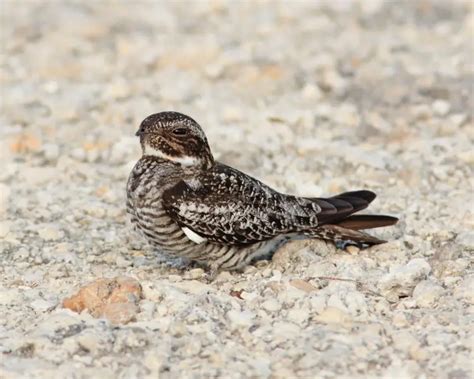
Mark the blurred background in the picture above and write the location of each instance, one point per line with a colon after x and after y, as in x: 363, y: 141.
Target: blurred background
x: 312, y: 97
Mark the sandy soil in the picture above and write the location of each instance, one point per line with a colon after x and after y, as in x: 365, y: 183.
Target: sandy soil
x: 312, y: 98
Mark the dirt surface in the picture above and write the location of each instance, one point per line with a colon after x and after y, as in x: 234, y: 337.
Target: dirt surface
x: 313, y: 98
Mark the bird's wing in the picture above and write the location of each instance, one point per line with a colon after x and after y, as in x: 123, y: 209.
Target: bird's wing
x: 227, y: 206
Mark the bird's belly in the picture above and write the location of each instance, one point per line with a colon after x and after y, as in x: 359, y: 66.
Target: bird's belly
x: 161, y: 231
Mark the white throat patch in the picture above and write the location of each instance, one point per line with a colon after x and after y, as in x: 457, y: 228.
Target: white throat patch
x: 185, y: 161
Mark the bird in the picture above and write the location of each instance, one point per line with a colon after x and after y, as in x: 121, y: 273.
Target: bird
x: 186, y: 204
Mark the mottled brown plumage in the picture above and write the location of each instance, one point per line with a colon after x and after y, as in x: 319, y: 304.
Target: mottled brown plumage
x: 188, y: 205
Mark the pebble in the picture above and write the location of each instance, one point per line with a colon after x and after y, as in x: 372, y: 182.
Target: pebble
x: 5, y: 227
x: 115, y: 299
x: 427, y: 293
x: 302, y: 285
x: 51, y: 152
x: 402, y: 280
x: 41, y: 305
x: 9, y: 296
x: 333, y: 315
x: 466, y: 239
x: 297, y: 102
x: 194, y: 287
x: 50, y: 233
x: 239, y: 319
x: 441, y: 107
x: 404, y: 341
x: 271, y: 305
x: 465, y: 291
x: 298, y: 316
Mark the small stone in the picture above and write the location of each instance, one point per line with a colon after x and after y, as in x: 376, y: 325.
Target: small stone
x: 440, y: 107
x: 298, y: 316
x: 59, y: 324
x: 427, y: 293
x: 51, y: 152
x: 35, y: 176
x: 101, y: 297
x: 119, y: 313
x: 311, y: 92
x: 50, y: 233
x: 51, y: 87
x: 404, y: 341
x: 90, y: 341
x: 465, y: 290
x: 271, y: 305
x: 418, y: 353
x: 240, y: 319
x: 232, y: 114
x: 9, y: 296
x: 122, y: 262
x: 5, y: 227
x: 194, y: 286
x: 224, y: 276
x: 302, y: 285
x: 466, y: 239
x: 175, y: 278
x: 332, y: 315
x: 399, y: 320
x: 353, y: 250
x: 318, y: 303
x: 4, y: 195
x: 402, y: 280
x: 195, y: 273
x: 41, y: 305
x: 248, y: 296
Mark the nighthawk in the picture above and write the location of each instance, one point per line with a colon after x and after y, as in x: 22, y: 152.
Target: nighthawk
x: 188, y: 205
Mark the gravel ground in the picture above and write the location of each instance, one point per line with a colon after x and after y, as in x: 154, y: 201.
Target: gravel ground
x: 312, y: 98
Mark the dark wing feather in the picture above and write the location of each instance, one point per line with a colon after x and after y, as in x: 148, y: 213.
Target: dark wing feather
x: 337, y: 208
x: 227, y: 206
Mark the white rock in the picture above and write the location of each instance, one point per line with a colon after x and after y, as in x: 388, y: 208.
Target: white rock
x: 271, y: 305
x: 286, y: 330
x: 50, y: 233
x: 318, y: 303
x: 466, y: 239
x: 427, y: 293
x: 51, y: 151
x: 402, y: 280
x: 4, y: 195
x: 195, y: 273
x: 38, y: 175
x: 249, y: 296
x: 399, y: 319
x: 311, y: 92
x: 5, y: 227
x: 332, y: 315
x: 41, y: 305
x: 58, y: 323
x: 10, y: 296
x: 298, y: 316
x: 240, y: 319
x: 194, y: 287
x: 441, y: 107
x: 465, y: 290
x: 404, y: 340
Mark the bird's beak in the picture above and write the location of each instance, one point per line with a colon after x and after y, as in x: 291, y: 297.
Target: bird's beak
x: 139, y: 133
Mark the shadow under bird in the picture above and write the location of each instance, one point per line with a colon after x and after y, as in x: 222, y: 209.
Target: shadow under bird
x: 188, y: 205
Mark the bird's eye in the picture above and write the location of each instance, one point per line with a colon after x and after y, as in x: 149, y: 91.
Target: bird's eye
x: 180, y: 131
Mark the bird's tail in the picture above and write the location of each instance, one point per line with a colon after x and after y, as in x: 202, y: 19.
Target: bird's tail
x: 337, y: 222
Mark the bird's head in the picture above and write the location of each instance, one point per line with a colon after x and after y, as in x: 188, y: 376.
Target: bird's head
x: 175, y: 137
